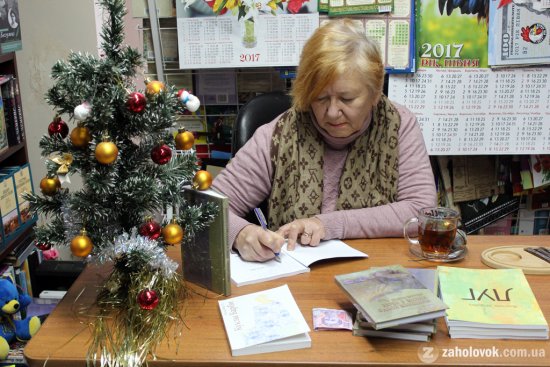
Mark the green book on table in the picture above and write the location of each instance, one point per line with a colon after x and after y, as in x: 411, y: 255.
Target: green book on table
x: 490, y: 304
x: 390, y: 296
x: 419, y: 331
x: 205, y: 259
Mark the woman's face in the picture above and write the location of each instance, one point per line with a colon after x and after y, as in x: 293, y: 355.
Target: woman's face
x: 343, y: 107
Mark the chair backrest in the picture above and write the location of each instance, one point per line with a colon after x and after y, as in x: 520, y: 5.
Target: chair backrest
x: 256, y: 112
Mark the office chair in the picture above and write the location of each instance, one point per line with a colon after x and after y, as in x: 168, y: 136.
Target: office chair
x: 258, y: 111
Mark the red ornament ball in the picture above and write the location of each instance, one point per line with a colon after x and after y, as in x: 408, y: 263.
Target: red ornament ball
x: 161, y: 154
x: 150, y: 229
x: 148, y: 299
x: 136, y: 102
x: 44, y: 246
x: 58, y: 126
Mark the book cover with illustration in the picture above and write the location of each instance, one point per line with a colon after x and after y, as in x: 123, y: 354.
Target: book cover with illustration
x: 8, y: 204
x: 23, y: 185
x: 490, y: 299
x: 265, y: 321
x: 390, y: 296
x: 419, y: 331
x: 10, y: 27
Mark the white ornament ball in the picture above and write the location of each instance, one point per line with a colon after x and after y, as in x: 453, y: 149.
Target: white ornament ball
x: 184, y: 96
x: 82, y: 111
x: 193, y: 103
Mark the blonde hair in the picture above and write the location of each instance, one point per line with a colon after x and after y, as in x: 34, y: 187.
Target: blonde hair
x: 336, y: 48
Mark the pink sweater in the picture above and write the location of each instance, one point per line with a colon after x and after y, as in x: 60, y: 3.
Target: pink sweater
x: 247, y: 182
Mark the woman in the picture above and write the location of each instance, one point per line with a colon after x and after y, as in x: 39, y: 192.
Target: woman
x: 343, y: 162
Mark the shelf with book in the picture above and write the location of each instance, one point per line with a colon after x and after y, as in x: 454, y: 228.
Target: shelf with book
x: 15, y: 155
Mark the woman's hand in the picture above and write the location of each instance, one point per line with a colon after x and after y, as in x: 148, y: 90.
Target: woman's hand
x: 256, y: 244
x: 308, y: 231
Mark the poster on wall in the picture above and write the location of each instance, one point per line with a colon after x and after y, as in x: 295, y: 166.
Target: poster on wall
x: 10, y: 28
x: 243, y: 33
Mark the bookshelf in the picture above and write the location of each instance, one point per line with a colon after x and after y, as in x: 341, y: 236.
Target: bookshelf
x: 15, y: 155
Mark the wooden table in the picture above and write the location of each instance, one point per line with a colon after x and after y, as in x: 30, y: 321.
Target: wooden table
x: 64, y: 337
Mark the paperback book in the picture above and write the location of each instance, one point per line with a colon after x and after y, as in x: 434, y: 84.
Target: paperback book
x: 263, y: 322
x: 8, y: 205
x: 390, y: 296
x: 292, y: 262
x: 490, y: 304
x: 419, y: 331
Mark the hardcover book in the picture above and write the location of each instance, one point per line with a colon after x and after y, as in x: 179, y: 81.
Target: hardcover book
x: 265, y: 321
x: 205, y: 258
x: 292, y: 262
x: 490, y: 304
x: 4, y: 144
x: 9, y: 113
x: 390, y: 296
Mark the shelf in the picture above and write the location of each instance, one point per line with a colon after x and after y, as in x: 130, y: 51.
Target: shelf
x: 11, y: 152
x: 17, y: 239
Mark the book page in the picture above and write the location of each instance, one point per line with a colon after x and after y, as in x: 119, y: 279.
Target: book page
x: 249, y: 272
x: 331, y: 249
x: 262, y: 317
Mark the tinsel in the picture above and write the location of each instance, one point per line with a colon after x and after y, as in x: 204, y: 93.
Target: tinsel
x: 123, y: 333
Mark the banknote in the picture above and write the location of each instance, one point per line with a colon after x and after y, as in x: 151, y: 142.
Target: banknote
x: 326, y: 319
x: 518, y: 34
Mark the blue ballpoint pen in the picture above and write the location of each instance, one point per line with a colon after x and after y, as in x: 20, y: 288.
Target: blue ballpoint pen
x: 263, y: 223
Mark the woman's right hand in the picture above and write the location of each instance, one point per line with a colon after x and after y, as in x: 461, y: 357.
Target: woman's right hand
x: 256, y: 244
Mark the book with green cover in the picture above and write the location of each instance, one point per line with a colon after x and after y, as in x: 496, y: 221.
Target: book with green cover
x: 419, y: 331
x: 390, y: 296
x: 490, y: 303
x: 205, y: 259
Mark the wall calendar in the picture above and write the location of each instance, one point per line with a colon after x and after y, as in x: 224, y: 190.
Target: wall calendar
x: 478, y: 111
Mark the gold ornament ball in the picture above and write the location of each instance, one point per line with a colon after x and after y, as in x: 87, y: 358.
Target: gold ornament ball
x: 202, y: 180
x: 81, y: 137
x: 106, y: 152
x: 50, y: 185
x: 154, y: 87
x: 172, y: 233
x: 184, y: 140
x: 81, y: 245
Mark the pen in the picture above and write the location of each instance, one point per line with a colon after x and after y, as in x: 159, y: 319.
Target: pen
x: 263, y: 223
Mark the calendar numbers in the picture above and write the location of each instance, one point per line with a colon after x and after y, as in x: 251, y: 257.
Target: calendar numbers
x: 249, y: 57
x: 438, y: 50
x: 478, y: 111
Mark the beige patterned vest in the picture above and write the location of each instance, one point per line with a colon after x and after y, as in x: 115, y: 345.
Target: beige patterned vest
x: 369, y: 177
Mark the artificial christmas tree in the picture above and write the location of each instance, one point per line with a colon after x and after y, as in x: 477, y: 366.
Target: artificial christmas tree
x: 121, y: 145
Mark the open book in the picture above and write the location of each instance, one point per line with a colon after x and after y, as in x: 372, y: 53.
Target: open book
x: 265, y: 321
x: 292, y: 262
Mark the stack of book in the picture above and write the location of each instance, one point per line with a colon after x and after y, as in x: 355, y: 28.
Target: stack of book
x: 392, y: 303
x: 490, y: 304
